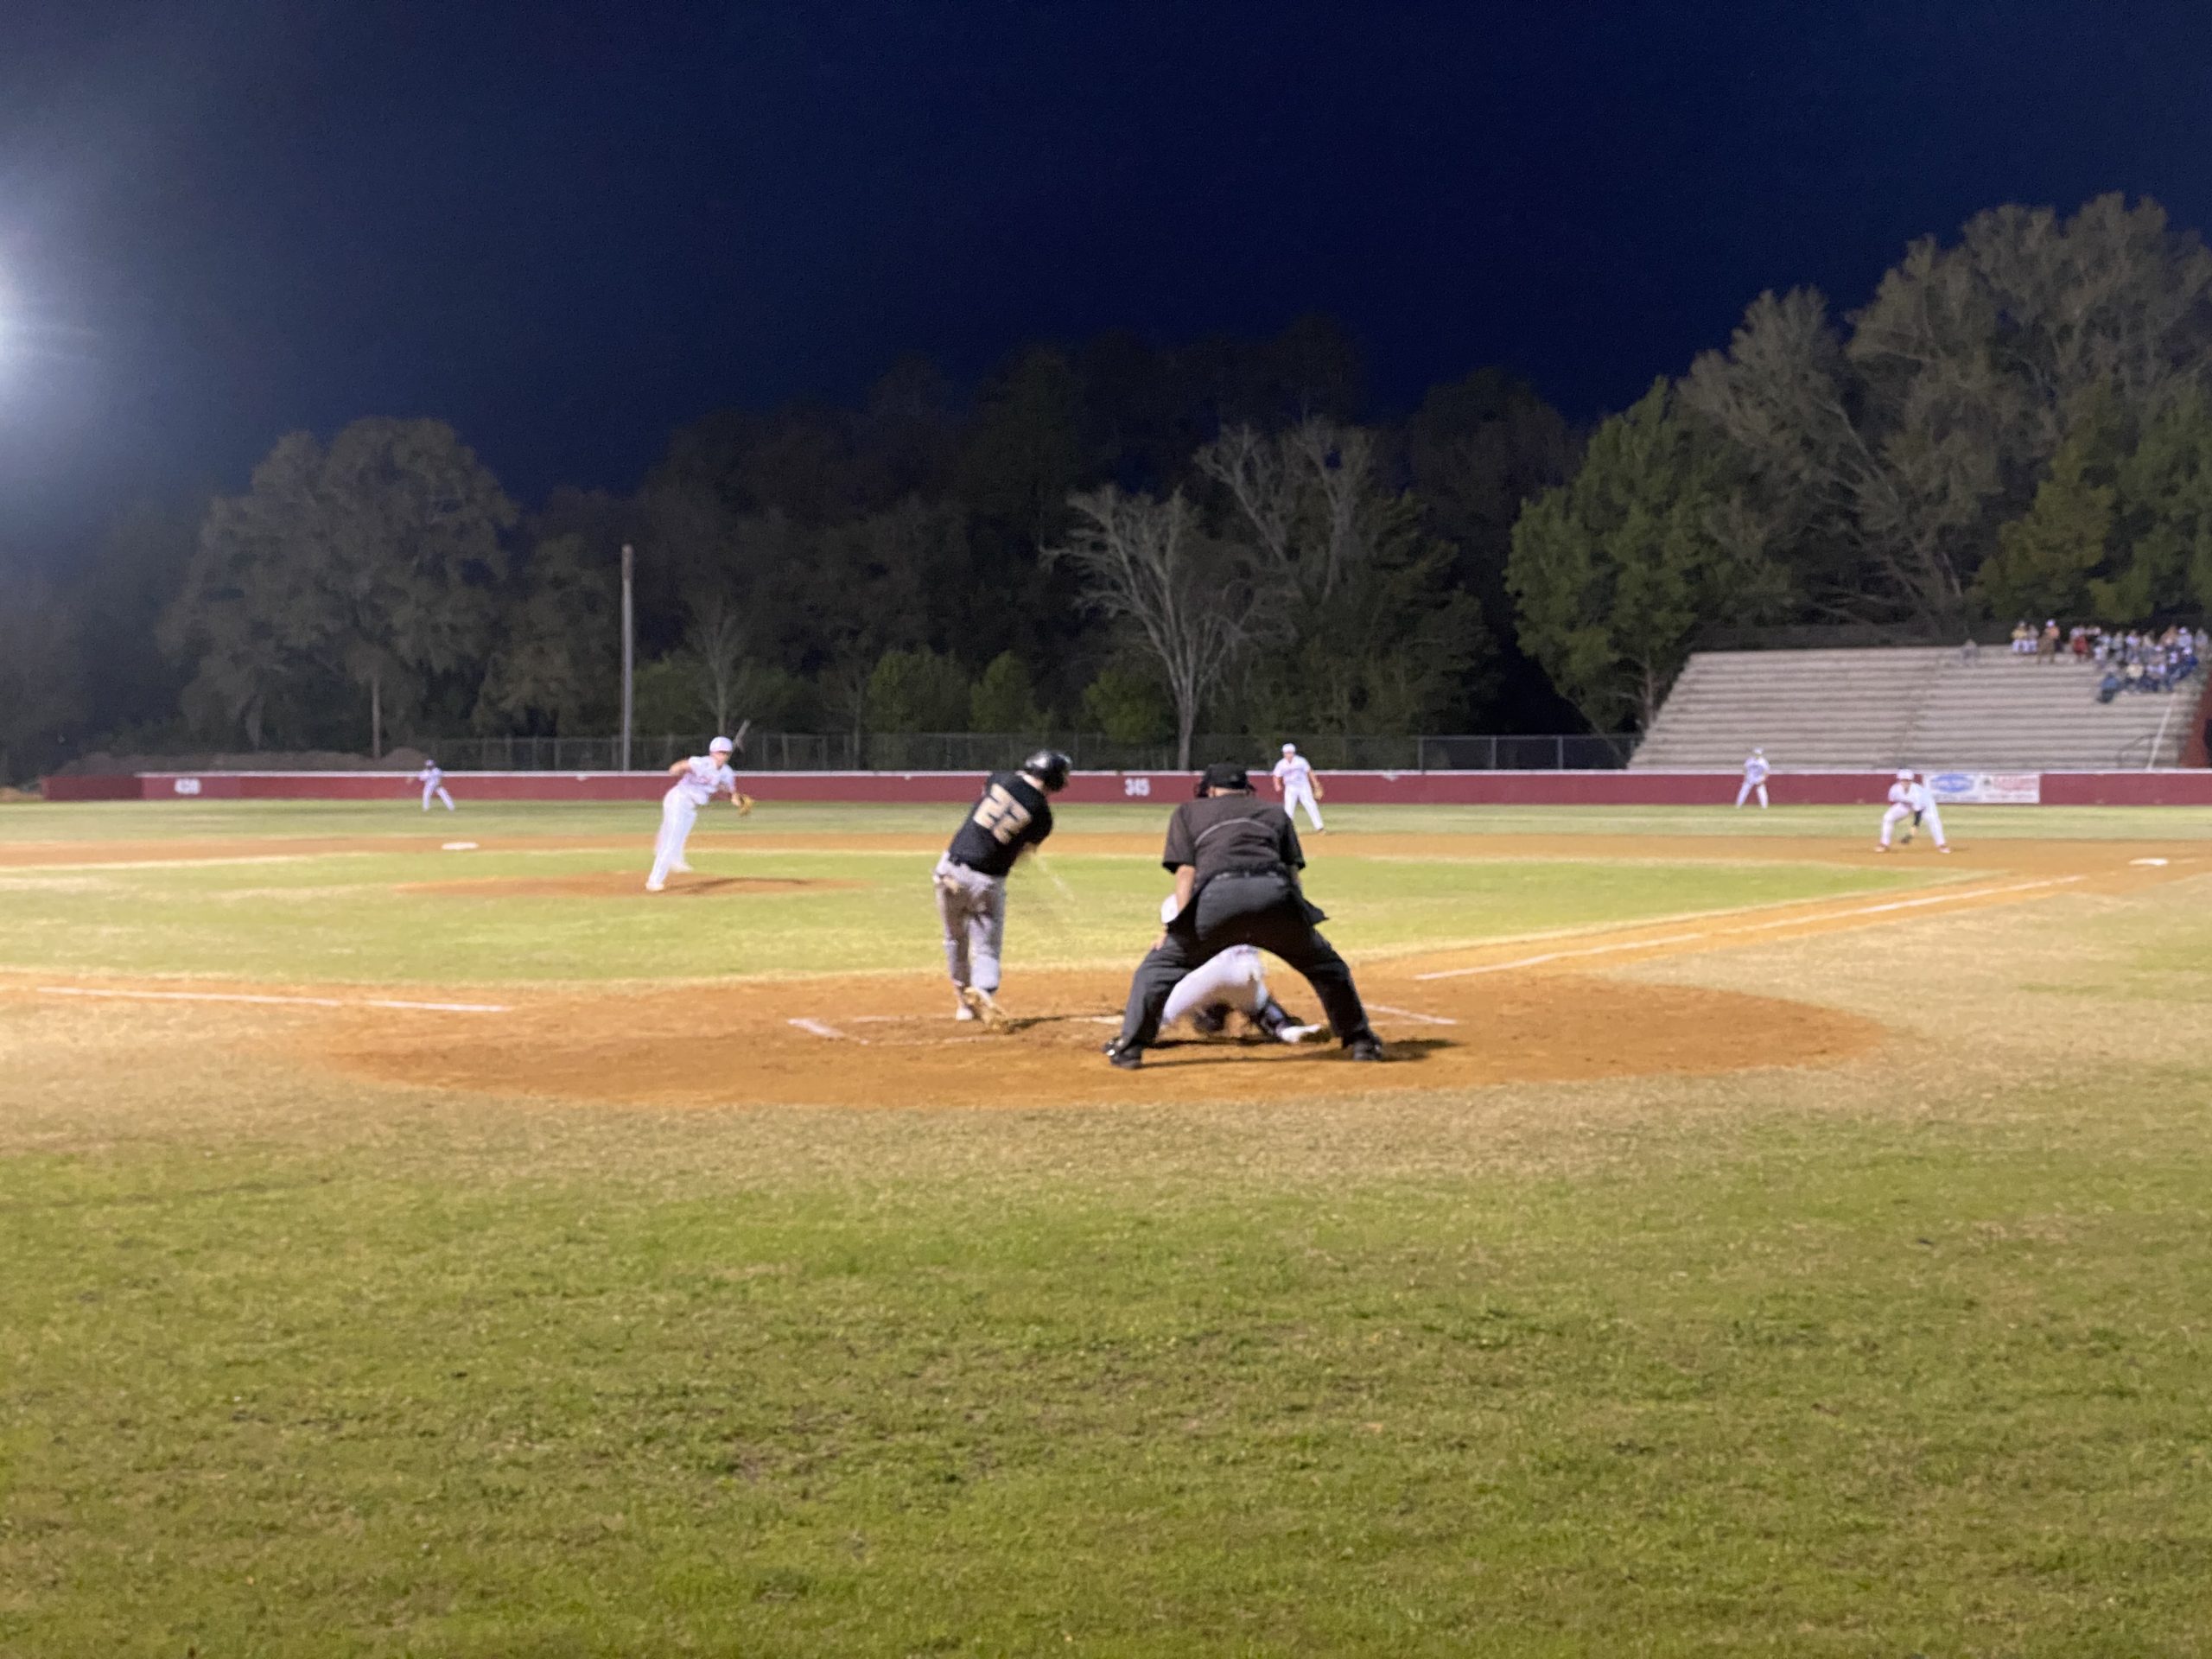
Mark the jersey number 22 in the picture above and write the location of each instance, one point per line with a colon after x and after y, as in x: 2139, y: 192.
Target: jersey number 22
x: 1000, y: 814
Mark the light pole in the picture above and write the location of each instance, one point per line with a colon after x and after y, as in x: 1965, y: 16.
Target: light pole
x: 629, y: 640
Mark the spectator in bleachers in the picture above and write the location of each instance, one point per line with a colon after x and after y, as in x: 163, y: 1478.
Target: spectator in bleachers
x: 2046, y: 643
x: 2024, y: 638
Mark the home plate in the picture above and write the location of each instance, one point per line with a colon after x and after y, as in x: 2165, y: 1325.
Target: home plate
x: 458, y: 847
x: 2154, y: 863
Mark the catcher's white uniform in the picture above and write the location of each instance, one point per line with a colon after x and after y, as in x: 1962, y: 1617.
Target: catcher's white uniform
x: 1236, y: 982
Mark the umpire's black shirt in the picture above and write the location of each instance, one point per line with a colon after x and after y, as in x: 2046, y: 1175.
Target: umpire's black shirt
x: 1232, y: 835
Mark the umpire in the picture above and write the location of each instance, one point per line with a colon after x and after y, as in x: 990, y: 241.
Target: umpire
x: 1236, y: 860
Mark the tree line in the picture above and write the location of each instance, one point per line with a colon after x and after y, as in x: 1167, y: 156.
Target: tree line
x: 911, y: 564
x: 1127, y: 538
x: 2017, y: 423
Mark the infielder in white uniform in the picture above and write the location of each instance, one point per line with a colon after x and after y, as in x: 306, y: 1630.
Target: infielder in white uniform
x: 433, y: 780
x: 1910, y: 798
x: 1236, y: 982
x: 1754, y: 771
x: 1294, y: 777
x: 698, y: 781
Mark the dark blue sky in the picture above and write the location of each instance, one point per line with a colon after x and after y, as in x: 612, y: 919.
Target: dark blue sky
x: 568, y: 227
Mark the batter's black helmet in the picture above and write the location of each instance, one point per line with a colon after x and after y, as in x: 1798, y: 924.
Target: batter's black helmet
x: 1049, y: 767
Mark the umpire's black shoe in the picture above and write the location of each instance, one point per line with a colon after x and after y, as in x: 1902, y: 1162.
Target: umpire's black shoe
x: 1123, y: 1059
x: 1363, y: 1048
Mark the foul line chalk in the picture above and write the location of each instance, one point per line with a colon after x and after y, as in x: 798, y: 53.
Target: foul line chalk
x: 1408, y: 1013
x: 1813, y: 919
x: 278, y: 1001
x: 817, y: 1028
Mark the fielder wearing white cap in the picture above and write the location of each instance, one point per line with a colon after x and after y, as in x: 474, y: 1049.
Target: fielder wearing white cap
x: 1755, y: 775
x: 698, y: 781
x: 433, y: 780
x: 1910, y: 798
x: 1236, y: 982
x: 1295, y: 782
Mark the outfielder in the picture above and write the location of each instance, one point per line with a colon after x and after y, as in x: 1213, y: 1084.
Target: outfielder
x: 1012, y: 817
x: 1296, y: 784
x: 433, y: 780
x: 1755, y: 773
x: 1236, y: 982
x: 698, y: 781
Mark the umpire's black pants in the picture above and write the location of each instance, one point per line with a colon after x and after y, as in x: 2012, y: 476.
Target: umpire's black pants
x: 1262, y: 909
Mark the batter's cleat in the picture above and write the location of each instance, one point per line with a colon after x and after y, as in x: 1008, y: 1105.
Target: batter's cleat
x: 1363, y: 1048
x: 984, y: 1006
x: 964, y: 1012
x: 1124, y: 1059
x: 1300, y: 1033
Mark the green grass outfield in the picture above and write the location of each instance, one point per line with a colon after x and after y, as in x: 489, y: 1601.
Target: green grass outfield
x: 1906, y: 1354
x: 364, y: 916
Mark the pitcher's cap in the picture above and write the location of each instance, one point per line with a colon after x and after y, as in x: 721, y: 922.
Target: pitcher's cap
x: 720, y: 746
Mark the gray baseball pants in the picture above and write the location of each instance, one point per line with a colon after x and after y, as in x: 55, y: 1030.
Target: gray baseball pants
x: 972, y: 908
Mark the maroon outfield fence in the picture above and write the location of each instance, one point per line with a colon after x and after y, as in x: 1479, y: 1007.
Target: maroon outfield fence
x: 1359, y: 788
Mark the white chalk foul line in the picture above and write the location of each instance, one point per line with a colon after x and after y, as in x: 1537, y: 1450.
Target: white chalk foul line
x: 278, y: 1001
x: 1752, y: 927
x: 1408, y: 1013
x: 815, y: 1027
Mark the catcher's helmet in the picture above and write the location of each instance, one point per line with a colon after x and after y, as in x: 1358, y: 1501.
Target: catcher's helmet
x: 1049, y: 767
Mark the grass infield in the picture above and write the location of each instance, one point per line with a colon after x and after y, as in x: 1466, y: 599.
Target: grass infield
x: 1903, y: 1353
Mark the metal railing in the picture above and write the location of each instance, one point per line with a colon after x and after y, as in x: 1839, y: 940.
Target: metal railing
x: 982, y: 751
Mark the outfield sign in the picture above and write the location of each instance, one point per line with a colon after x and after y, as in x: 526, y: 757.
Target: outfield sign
x: 1987, y: 788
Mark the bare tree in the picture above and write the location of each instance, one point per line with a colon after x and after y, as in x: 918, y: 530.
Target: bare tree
x: 1195, y: 602
x: 1304, y: 496
x: 714, y: 638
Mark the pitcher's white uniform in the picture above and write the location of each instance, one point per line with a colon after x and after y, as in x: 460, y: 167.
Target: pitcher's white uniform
x: 1754, y: 771
x: 698, y: 781
x: 1294, y: 776
x: 433, y: 780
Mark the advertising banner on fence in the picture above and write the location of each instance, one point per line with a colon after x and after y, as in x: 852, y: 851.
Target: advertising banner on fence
x: 1987, y: 788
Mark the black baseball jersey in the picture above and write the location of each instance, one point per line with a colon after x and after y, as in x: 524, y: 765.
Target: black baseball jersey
x: 1221, y: 833
x: 1013, y: 814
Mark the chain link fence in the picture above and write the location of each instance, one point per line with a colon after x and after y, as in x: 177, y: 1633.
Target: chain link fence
x: 985, y: 751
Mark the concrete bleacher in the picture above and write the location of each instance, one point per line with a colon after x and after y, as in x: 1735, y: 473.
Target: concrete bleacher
x: 1918, y: 706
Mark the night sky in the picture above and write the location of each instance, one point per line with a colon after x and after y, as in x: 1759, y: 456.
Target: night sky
x: 567, y: 228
